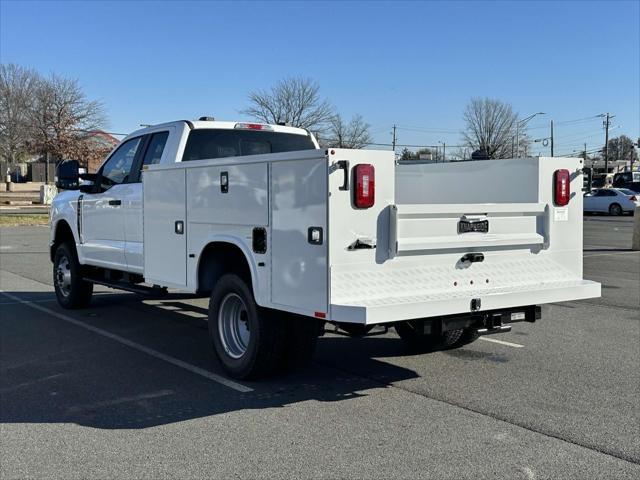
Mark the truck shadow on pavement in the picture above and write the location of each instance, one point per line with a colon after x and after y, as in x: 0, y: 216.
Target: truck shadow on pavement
x: 55, y: 371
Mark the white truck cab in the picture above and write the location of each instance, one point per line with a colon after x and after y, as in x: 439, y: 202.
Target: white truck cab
x: 285, y: 237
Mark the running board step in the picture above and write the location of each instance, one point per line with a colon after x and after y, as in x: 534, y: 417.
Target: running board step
x: 128, y: 287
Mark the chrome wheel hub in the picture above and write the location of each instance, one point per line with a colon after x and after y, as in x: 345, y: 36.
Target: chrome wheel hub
x: 233, y: 325
x: 62, y: 276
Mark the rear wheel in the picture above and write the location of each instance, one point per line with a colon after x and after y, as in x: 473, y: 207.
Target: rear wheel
x: 615, y: 209
x: 416, y: 340
x: 247, y: 340
x: 71, y: 290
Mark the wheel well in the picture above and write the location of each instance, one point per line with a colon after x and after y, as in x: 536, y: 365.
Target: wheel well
x: 63, y: 234
x: 219, y: 258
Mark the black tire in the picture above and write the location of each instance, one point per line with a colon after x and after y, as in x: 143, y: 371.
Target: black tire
x: 615, y: 209
x: 418, y: 341
x: 300, y: 342
x: 469, y: 335
x: 356, y: 329
x: 264, y: 346
x: 71, y: 290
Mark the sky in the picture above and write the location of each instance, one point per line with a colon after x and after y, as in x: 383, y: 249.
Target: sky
x: 412, y: 64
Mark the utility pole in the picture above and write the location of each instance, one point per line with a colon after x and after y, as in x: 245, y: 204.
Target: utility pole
x: 552, y: 138
x: 585, y: 152
x: 444, y: 152
x: 394, y: 138
x: 606, y: 143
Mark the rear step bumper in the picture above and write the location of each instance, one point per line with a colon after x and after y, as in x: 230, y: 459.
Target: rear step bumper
x: 393, y: 309
x: 485, y: 323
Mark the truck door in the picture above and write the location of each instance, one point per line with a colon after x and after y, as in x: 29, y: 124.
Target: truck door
x: 102, y: 219
x: 132, y: 201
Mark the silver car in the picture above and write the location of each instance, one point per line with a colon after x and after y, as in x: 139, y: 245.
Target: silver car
x: 615, y: 201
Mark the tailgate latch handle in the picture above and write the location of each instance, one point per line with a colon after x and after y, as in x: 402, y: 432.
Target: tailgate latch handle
x: 472, y: 257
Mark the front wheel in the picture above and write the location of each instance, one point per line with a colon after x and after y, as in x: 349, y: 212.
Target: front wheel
x: 247, y: 340
x: 72, y: 291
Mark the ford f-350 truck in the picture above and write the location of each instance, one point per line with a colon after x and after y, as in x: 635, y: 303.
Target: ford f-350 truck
x: 285, y: 237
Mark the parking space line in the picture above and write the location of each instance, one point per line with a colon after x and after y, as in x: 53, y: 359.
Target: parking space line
x: 46, y: 300
x: 589, y: 255
x: 502, y: 342
x: 136, y: 346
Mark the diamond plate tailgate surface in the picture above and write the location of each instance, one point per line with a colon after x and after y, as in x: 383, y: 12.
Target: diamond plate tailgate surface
x: 399, y: 292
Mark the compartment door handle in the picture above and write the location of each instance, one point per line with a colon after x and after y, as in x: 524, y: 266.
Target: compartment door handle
x: 344, y: 165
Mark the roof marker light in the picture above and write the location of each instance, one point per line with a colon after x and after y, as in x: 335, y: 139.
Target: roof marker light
x: 253, y: 126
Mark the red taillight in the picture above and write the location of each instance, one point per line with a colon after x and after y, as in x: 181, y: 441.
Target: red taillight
x: 633, y: 198
x: 562, y: 187
x: 365, y: 191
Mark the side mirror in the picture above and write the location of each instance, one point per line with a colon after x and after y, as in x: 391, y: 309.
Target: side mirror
x: 87, y: 181
x: 68, y: 175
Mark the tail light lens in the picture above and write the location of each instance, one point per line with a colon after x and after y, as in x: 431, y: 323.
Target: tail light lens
x: 562, y: 187
x: 633, y: 198
x: 365, y: 191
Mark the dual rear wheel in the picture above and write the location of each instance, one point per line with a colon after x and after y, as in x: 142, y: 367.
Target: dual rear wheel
x: 252, y: 341
x: 418, y: 341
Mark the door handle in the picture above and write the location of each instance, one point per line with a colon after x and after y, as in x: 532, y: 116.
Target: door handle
x: 344, y: 166
x: 115, y: 202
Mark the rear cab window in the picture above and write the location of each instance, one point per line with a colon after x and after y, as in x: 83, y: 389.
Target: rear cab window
x: 208, y: 143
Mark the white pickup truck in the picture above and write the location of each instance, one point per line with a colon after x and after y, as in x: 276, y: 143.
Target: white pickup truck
x: 286, y: 237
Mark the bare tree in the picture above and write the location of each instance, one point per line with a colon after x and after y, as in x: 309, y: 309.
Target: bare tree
x: 490, y: 126
x: 295, y: 101
x: 354, y: 134
x: 458, y: 154
x: 622, y: 148
x: 60, y: 117
x: 17, y: 87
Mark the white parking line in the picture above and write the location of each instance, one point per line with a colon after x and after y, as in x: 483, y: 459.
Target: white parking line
x: 589, y: 255
x: 501, y: 342
x: 136, y: 346
x: 46, y: 300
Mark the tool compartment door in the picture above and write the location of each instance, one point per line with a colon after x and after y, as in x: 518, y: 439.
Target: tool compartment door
x: 164, y: 200
x: 299, y: 263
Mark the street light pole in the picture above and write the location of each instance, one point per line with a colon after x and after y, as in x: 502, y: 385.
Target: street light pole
x: 523, y: 122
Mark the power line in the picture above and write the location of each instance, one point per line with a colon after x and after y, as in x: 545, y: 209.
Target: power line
x: 427, y: 130
x: 577, y: 121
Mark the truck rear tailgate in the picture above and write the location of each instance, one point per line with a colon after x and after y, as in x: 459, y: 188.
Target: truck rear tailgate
x: 421, y: 290
x: 526, y: 250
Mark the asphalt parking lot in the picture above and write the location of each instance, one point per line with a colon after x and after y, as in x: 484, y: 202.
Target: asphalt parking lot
x: 130, y: 389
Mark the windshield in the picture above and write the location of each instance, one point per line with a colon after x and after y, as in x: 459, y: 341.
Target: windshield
x: 218, y: 143
x: 626, y: 191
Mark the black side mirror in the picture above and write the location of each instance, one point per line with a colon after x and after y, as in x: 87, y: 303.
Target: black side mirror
x: 68, y: 175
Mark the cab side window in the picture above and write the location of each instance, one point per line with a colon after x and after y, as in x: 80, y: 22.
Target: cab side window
x: 118, y: 168
x: 155, y: 143
x: 155, y: 148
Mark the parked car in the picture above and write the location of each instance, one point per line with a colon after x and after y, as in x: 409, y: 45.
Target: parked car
x: 615, y: 201
x: 621, y: 178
